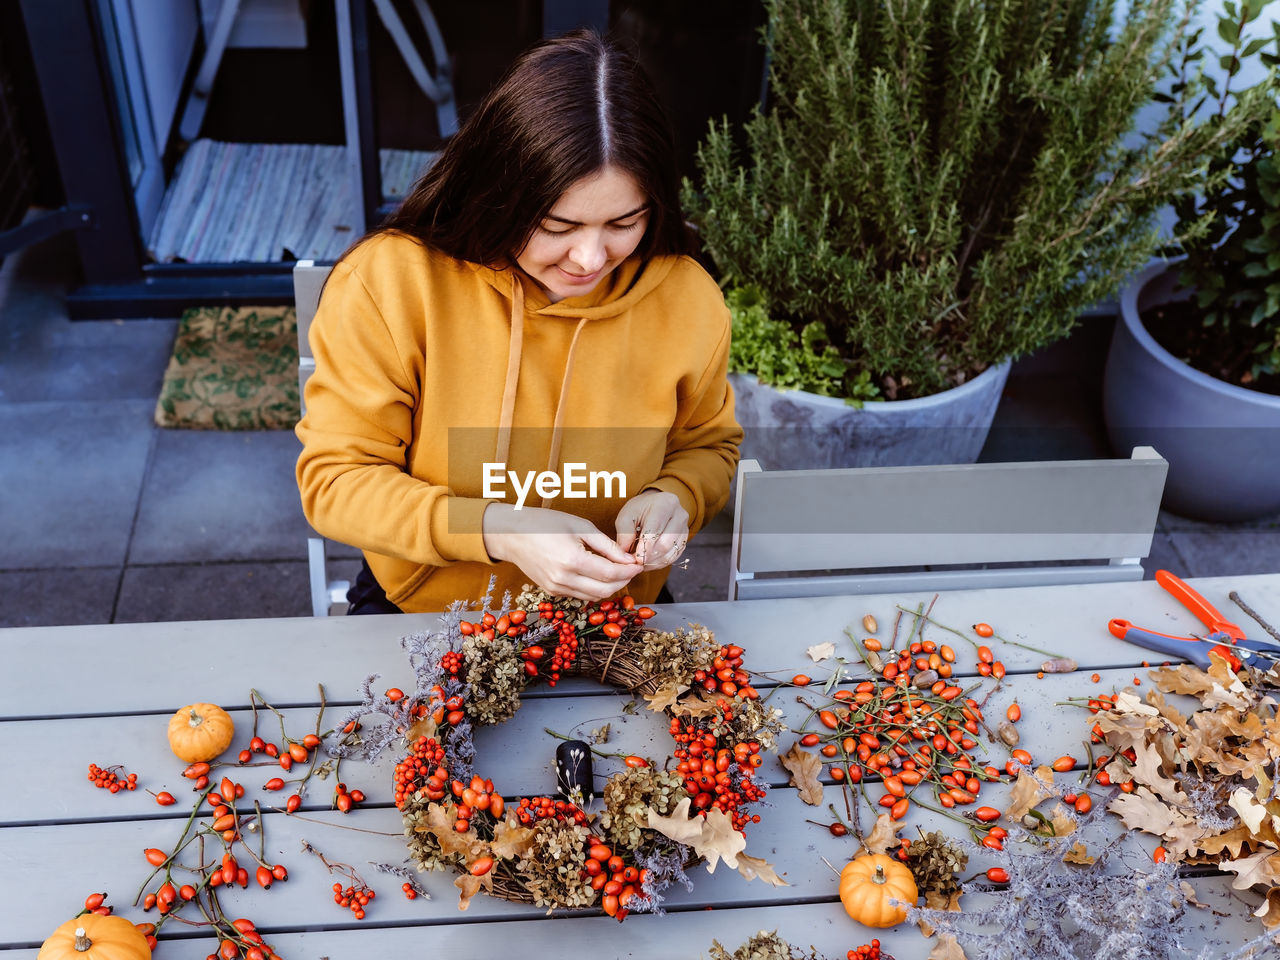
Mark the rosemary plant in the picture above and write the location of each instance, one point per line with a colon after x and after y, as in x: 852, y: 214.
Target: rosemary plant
x: 941, y: 184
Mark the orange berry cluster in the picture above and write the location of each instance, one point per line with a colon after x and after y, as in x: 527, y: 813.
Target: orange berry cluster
x: 910, y: 728
x: 563, y: 654
x: 612, y: 877
x: 451, y: 662
x: 106, y: 778
x: 705, y: 767
x: 868, y: 951
x: 478, y: 795
x: 532, y: 809
x: 246, y: 942
x: 423, y: 769
x: 356, y: 898
x: 727, y: 676
x: 409, y: 892
x: 344, y: 800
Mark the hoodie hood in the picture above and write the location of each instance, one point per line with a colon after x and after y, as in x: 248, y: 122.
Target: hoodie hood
x: 628, y: 284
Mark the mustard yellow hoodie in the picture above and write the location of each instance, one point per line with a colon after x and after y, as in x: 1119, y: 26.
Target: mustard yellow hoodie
x: 429, y: 367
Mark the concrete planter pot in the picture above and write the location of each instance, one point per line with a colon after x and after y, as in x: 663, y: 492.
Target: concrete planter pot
x: 1222, y: 441
x: 794, y: 430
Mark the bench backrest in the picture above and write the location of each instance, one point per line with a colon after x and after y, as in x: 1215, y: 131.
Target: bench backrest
x: 308, y: 281
x: 954, y: 517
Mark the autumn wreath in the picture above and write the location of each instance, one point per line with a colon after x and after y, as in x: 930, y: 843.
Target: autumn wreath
x: 562, y: 852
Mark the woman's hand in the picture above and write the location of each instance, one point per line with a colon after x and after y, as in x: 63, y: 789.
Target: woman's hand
x: 655, y: 527
x: 563, y: 554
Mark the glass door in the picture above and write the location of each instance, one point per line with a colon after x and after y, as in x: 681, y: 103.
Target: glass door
x: 133, y: 112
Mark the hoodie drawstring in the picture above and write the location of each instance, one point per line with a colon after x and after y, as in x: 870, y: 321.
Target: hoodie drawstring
x: 507, y: 415
x: 514, y: 349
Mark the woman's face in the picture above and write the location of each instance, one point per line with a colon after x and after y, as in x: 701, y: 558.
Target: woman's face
x: 595, y: 225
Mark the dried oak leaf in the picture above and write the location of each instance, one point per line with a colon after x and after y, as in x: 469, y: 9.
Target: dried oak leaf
x: 1028, y: 791
x: 883, y: 836
x: 440, y: 824
x: 1269, y: 909
x: 510, y: 840
x: 1063, y: 823
x: 719, y: 840
x: 426, y: 727
x: 947, y: 948
x: 666, y: 695
x: 1078, y: 853
x: 1148, y: 770
x: 677, y: 825
x: 1232, y: 841
x: 821, y: 651
x: 470, y: 886
x: 697, y: 707
x: 937, y: 900
x: 804, y: 768
x: 1262, y: 867
x: 1143, y: 810
x: 755, y: 868
x: 1183, y: 678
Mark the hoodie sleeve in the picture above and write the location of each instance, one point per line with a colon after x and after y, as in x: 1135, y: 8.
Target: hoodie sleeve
x: 702, y: 447
x: 355, y: 436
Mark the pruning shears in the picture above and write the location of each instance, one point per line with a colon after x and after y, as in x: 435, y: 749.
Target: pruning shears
x: 1224, y: 637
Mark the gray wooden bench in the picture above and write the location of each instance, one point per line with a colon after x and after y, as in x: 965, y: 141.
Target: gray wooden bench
x: 799, y: 533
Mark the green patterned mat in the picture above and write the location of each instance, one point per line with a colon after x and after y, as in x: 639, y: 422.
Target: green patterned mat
x: 232, y: 368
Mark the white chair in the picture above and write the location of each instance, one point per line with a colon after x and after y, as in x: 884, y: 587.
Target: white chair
x: 943, y: 524
x: 308, y: 281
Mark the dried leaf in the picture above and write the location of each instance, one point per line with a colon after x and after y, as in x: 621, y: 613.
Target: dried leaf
x: 804, y: 768
x: 510, y: 840
x: 470, y: 886
x: 821, y: 651
x: 883, y: 836
x: 755, y: 868
x: 1063, y: 822
x: 1262, y: 867
x: 719, y: 840
x: 947, y: 948
x: 937, y: 900
x: 440, y: 823
x: 426, y: 727
x: 1028, y: 791
x: 1078, y: 853
x: 1269, y: 909
x: 677, y: 826
x: 666, y: 695
x: 712, y: 836
x: 696, y: 707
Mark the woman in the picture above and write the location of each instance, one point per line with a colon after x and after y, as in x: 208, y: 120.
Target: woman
x: 525, y: 320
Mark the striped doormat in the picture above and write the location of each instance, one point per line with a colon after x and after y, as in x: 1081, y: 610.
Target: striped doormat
x: 267, y: 202
x: 232, y: 368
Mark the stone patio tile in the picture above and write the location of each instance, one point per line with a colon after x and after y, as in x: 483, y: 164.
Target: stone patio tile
x: 213, y: 591
x: 221, y: 495
x: 71, y: 475
x: 1173, y: 523
x: 61, y: 597
x: 705, y: 578
x: 1164, y: 556
x: 1226, y: 552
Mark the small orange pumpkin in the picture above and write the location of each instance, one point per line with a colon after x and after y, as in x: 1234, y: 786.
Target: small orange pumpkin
x: 200, y: 731
x: 93, y: 937
x: 868, y: 882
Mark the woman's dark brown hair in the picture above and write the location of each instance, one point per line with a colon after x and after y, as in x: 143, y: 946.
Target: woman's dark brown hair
x: 565, y: 109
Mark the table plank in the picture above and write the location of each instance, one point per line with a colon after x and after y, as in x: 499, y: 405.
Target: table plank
x: 520, y: 748
x: 143, y: 668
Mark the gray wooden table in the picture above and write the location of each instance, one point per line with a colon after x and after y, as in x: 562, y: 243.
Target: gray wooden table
x: 71, y: 696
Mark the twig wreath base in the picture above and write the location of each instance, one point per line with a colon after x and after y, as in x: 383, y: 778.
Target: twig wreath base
x: 555, y: 852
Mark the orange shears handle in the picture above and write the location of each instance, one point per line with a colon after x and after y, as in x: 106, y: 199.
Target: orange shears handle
x: 1202, y: 608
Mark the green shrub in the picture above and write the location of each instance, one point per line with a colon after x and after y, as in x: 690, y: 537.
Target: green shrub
x: 942, y: 184
x: 1229, y: 229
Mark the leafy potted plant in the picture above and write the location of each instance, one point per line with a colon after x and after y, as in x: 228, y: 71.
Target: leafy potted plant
x: 1194, y: 367
x: 935, y: 189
